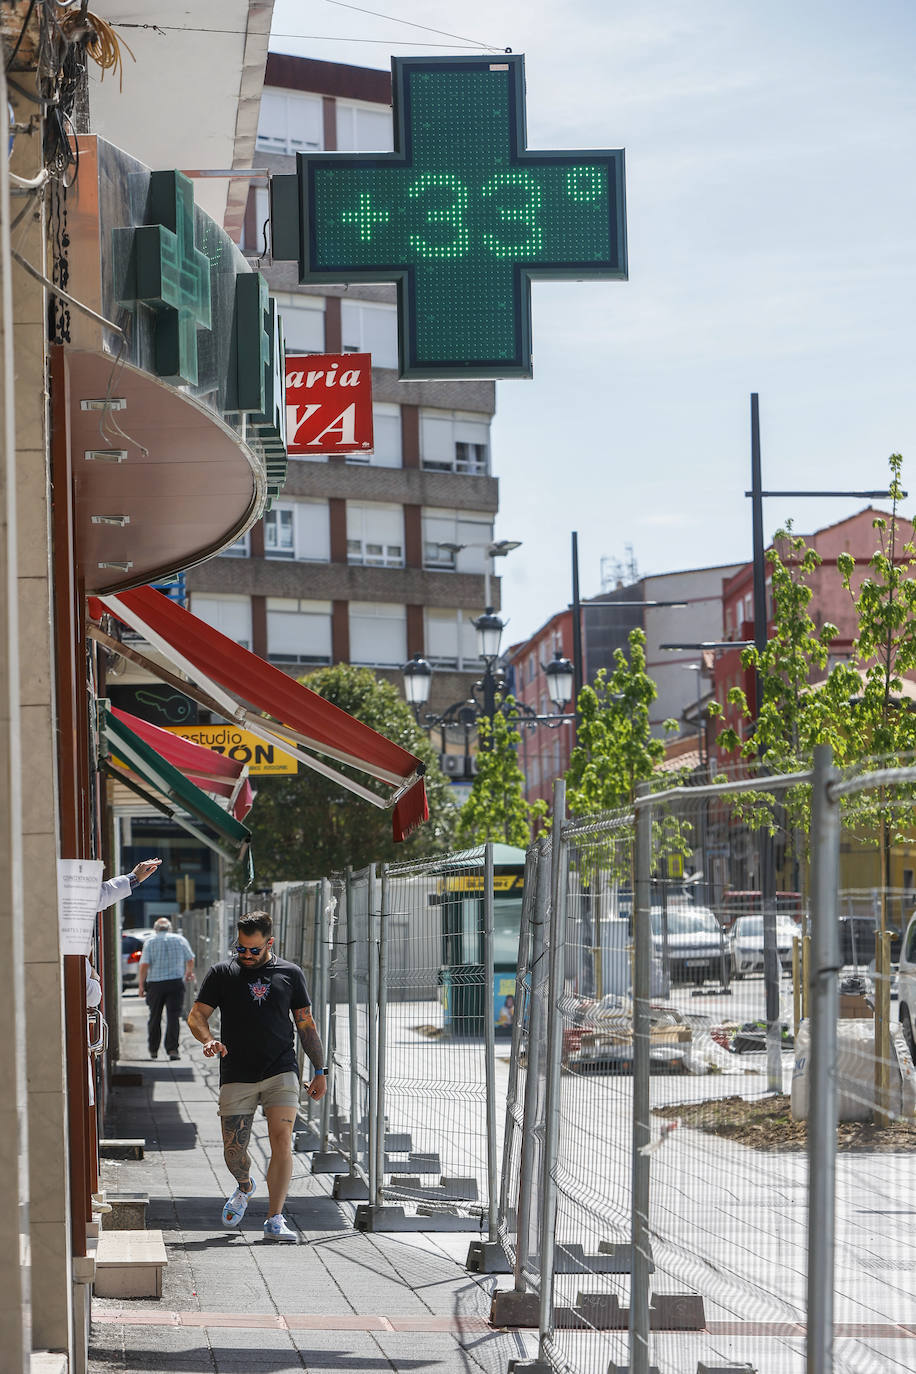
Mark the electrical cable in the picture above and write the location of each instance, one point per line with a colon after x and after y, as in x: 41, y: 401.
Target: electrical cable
x: 99, y: 41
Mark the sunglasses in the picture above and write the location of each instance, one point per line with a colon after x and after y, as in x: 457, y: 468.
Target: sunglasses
x: 250, y: 949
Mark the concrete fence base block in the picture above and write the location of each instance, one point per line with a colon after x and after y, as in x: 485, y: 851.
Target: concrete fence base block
x: 347, y: 1189
x: 515, y: 1309
x: 329, y: 1163
x: 399, y: 1142
x: 677, y: 1312
x: 448, y: 1189
x: 414, y: 1164
x: 703, y: 1368
x: 529, y: 1367
x: 390, y: 1218
x: 487, y: 1257
x: 307, y: 1141
x: 625, y: 1368
x: 121, y: 1149
x: 570, y: 1258
x: 602, y: 1311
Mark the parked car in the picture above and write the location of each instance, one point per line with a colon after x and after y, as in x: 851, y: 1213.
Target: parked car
x: 748, y: 935
x: 737, y: 903
x: 906, y: 985
x: 697, y: 946
x: 132, y: 942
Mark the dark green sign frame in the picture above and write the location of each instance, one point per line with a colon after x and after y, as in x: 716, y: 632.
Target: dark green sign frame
x: 461, y: 216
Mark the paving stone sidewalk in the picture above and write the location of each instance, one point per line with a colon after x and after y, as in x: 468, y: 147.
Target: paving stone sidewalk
x: 339, y: 1300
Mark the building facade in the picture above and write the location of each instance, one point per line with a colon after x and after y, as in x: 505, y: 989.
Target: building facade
x: 366, y: 559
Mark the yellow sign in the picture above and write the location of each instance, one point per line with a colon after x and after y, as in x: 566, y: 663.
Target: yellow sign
x: 473, y: 882
x: 675, y: 865
x: 240, y: 745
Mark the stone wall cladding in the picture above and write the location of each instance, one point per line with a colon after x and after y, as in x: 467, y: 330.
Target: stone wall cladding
x: 341, y: 582
x: 401, y: 486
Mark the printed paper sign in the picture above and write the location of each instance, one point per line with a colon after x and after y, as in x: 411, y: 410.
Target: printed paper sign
x: 79, y: 886
x: 329, y: 403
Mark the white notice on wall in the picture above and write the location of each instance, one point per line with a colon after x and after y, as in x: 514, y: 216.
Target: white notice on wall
x: 79, y: 885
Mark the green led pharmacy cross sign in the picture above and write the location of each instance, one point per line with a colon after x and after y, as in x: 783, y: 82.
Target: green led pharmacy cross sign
x: 461, y: 216
x: 168, y: 272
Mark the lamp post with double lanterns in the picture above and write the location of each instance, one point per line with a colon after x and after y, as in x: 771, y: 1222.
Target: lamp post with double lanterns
x: 485, y: 699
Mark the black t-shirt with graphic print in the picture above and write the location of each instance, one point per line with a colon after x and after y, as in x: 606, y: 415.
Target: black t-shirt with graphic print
x: 255, y: 1022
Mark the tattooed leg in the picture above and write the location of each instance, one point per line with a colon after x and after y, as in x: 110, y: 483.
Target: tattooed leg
x: 236, y: 1135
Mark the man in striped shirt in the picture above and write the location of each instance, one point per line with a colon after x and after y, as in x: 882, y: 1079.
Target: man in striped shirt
x: 167, y: 964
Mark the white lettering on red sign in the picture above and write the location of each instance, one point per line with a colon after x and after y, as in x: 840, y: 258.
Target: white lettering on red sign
x: 318, y: 418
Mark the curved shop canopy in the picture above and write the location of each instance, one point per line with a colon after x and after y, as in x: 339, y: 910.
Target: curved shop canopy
x: 242, y: 687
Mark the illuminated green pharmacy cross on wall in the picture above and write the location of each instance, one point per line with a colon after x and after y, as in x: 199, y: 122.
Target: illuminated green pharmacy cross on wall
x: 461, y: 216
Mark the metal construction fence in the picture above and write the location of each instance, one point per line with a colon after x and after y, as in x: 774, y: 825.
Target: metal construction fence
x: 682, y: 1119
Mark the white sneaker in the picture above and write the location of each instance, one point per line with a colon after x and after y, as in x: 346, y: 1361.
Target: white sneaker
x: 275, y: 1228
x: 237, y: 1205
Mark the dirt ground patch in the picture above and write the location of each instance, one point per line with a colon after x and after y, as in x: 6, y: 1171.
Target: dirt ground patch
x: 766, y: 1124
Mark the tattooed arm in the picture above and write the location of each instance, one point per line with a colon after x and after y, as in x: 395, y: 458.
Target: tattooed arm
x: 310, y: 1041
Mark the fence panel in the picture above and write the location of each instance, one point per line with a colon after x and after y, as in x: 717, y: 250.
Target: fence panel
x: 433, y: 1052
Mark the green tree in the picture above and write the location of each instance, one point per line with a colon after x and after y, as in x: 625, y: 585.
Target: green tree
x: 306, y: 826
x: 615, y: 749
x: 496, y: 808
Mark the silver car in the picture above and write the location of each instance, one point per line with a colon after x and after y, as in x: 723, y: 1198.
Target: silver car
x: 748, y: 933
x: 696, y: 945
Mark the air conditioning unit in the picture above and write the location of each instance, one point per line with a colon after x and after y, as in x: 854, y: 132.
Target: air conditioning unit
x: 452, y: 765
x: 472, y: 766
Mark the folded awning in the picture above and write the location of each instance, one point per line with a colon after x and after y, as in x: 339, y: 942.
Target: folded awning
x: 206, y: 769
x: 124, y: 755
x: 244, y: 688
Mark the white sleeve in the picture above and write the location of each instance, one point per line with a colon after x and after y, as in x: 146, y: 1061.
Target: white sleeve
x: 115, y: 890
x: 93, y: 988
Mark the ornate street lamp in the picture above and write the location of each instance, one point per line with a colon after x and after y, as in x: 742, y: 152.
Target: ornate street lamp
x: 560, y: 678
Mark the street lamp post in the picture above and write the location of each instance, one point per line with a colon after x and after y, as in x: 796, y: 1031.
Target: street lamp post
x: 484, y: 702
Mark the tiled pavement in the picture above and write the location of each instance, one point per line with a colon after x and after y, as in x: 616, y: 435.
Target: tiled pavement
x: 231, y: 1302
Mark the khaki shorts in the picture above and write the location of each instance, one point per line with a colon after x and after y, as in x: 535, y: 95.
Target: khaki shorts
x: 238, y: 1099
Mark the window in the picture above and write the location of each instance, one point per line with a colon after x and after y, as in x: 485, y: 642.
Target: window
x: 378, y: 634
x: 450, y: 639
x: 240, y: 549
x: 375, y: 535
x: 386, y: 428
x: 452, y: 441
x: 532, y: 667
x: 303, y: 323
x: 298, y: 631
x: 370, y: 327
x: 290, y: 121
x: 231, y: 615
x: 299, y: 530
x: 279, y: 534
x: 456, y: 541
x: 534, y: 771
x: 364, y: 128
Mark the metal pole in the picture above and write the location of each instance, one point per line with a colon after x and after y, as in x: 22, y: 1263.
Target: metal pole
x: 327, y: 917
x: 767, y: 876
x: 578, y: 665
x: 531, y: 1126
x: 489, y: 1032
x: 352, y: 1027
x: 372, y: 1018
x: 642, y: 1130
x: 822, y: 1107
x: 554, y: 1063
x: 382, y: 1040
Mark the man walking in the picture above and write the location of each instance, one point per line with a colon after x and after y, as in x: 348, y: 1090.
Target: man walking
x: 167, y: 963
x: 261, y: 998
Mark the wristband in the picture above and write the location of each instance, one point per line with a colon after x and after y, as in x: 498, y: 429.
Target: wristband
x: 319, y: 1072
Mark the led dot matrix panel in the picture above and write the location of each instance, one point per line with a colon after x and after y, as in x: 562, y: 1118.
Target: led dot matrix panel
x: 461, y: 215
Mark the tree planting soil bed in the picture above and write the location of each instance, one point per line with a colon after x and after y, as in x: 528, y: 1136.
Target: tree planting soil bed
x: 765, y: 1123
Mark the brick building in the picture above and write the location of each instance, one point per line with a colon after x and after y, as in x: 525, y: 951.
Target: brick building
x: 365, y: 559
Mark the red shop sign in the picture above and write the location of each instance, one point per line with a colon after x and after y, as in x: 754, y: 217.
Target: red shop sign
x: 329, y: 403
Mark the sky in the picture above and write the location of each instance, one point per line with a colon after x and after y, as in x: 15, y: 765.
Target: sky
x: 771, y: 224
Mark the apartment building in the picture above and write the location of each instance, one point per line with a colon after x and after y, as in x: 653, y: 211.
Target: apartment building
x: 366, y: 559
